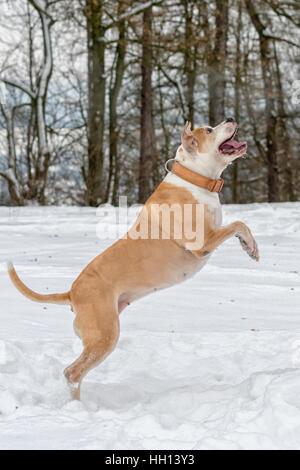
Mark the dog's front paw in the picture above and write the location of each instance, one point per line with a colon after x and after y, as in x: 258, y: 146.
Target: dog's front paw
x: 250, y: 246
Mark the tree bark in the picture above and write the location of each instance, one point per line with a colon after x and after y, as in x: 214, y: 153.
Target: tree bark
x: 147, y: 134
x: 43, y: 149
x: 190, y: 61
x: 114, y: 91
x: 216, y: 65
x: 270, y: 101
x: 237, y: 100
x: 288, y: 189
x: 96, y: 99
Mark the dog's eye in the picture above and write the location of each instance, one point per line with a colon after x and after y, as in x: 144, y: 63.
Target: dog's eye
x: 209, y: 130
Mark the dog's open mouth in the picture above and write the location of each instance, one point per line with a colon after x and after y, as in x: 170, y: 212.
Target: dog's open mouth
x: 231, y: 146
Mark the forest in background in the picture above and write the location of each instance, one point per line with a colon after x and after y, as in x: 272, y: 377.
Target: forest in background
x: 94, y: 95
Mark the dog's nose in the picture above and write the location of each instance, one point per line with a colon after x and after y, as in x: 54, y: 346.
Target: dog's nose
x: 229, y: 119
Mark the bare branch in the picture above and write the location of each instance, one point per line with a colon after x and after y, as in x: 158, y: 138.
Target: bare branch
x: 20, y: 86
x: 41, y: 6
x: 134, y: 11
x: 274, y: 38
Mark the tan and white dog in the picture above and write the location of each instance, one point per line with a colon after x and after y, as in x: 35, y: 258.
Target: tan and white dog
x: 134, y: 267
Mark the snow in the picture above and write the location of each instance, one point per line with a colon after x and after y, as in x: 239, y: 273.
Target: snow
x: 213, y: 363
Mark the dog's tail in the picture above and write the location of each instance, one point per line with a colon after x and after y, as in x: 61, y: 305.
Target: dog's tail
x: 63, y: 298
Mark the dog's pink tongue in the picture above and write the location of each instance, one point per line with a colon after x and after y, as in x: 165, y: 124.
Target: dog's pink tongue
x: 233, y: 144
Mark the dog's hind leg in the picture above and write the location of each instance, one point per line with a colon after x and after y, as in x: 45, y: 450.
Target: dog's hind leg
x: 98, y: 326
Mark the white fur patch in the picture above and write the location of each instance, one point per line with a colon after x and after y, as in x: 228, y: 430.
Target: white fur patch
x: 202, y: 196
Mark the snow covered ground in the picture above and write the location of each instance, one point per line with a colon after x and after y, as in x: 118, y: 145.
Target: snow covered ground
x: 213, y: 363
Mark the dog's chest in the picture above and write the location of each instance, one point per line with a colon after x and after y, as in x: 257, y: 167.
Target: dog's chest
x: 202, y: 196
x: 213, y: 207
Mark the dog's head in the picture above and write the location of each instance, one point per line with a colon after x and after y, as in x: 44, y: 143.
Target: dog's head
x: 214, y: 145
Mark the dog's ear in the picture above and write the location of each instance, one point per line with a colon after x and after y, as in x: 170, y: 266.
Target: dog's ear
x: 188, y: 140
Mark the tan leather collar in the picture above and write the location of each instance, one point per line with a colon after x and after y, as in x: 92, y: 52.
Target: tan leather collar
x: 193, y: 177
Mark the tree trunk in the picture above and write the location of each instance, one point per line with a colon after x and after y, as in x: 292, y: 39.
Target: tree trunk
x: 43, y: 149
x: 190, y: 62
x: 166, y: 147
x: 96, y: 99
x: 270, y: 101
x: 237, y: 100
x: 147, y: 135
x: 288, y: 188
x: 10, y: 175
x: 116, y: 82
x: 216, y: 65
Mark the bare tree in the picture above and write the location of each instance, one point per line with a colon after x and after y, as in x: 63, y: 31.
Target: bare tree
x: 216, y: 54
x: 190, y: 49
x: 284, y: 143
x: 38, y: 152
x: 267, y: 60
x: 117, y: 74
x: 96, y: 98
x: 237, y: 96
x: 148, y: 145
